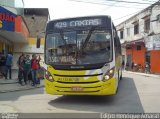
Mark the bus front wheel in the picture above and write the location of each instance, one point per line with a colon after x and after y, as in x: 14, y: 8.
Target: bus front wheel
x: 120, y: 74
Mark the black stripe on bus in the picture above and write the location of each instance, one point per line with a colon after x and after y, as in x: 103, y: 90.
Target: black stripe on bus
x: 78, y: 75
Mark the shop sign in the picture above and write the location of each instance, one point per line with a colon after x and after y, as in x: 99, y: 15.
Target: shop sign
x: 7, y: 20
x: 153, y: 42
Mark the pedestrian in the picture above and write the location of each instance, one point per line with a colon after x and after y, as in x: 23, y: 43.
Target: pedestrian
x: 21, y: 73
x: 27, y: 68
x: 34, y: 67
x: 3, y: 65
x: 123, y: 65
x: 38, y: 70
x: 22, y: 55
x: 132, y: 66
x: 9, y: 59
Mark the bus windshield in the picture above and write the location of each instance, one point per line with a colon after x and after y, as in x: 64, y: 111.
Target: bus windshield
x: 80, y: 47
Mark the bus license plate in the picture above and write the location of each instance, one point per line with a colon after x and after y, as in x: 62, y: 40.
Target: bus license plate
x: 77, y: 88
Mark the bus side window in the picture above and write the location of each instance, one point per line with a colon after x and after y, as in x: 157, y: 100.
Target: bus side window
x: 117, y: 44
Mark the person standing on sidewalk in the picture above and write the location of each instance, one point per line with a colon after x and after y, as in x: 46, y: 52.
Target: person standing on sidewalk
x: 34, y: 67
x: 9, y: 65
x: 21, y: 70
x: 39, y: 70
x: 27, y: 68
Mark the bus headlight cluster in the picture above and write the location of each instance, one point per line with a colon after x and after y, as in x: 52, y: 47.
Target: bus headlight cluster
x: 109, y: 74
x: 48, y: 76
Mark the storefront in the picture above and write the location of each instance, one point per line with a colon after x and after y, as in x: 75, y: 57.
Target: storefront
x: 7, y: 24
x: 142, y: 52
x: 135, y: 54
x: 152, y: 44
x: 13, y: 31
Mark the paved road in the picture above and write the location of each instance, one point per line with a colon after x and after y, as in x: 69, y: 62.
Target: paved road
x: 136, y: 94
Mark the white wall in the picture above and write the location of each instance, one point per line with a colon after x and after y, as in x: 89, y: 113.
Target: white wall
x: 26, y: 49
x: 154, y: 26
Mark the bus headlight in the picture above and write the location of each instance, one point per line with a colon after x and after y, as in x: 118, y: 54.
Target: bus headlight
x: 109, y: 74
x: 48, y: 76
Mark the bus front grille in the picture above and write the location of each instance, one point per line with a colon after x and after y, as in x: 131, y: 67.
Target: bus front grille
x: 78, y: 91
x: 77, y: 82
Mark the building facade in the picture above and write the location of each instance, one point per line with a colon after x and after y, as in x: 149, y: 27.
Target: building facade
x: 140, y: 38
x: 36, y: 20
x: 19, y: 29
x: 15, y: 6
x: 12, y: 31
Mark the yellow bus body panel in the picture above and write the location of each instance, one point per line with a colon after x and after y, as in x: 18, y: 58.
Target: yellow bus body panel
x: 91, y: 84
x: 99, y: 88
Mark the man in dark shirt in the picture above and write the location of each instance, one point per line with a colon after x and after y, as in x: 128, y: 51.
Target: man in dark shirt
x: 27, y: 68
x: 20, y: 63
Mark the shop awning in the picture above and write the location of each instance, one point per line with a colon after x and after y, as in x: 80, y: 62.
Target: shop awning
x: 12, y: 37
x: 135, y: 42
x: 12, y: 27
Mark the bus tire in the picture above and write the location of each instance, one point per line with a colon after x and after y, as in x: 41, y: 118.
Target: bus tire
x: 118, y: 83
x: 121, y: 75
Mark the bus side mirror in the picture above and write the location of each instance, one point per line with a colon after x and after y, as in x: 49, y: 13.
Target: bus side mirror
x: 38, y: 42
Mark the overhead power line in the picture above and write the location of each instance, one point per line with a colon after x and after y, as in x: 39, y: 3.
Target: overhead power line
x: 96, y: 3
x: 129, y: 2
x: 125, y: 16
x: 100, y: 3
x: 107, y: 8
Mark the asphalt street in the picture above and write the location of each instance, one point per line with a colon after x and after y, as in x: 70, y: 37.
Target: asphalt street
x: 136, y: 94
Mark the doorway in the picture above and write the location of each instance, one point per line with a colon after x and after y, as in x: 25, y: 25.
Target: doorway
x: 129, y: 62
x: 147, y: 57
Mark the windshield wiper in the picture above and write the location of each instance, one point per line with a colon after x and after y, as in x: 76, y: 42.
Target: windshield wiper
x: 87, y: 38
x: 61, y: 34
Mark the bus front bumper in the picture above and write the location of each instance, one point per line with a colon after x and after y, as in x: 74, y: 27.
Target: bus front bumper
x: 100, y: 88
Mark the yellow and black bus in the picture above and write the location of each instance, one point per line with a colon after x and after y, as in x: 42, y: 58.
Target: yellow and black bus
x: 83, y: 56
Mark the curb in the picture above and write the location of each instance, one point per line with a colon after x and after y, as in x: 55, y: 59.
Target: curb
x: 16, y: 90
x: 5, y: 81
x: 9, y: 83
x: 147, y: 75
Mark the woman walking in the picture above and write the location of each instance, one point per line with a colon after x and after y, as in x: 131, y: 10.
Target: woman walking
x: 21, y: 73
x: 35, y: 67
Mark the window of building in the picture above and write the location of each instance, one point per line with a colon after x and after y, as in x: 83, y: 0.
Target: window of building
x: 128, y: 47
x: 147, y: 25
x: 138, y: 47
x: 121, y: 34
x: 128, y: 31
x: 136, y: 28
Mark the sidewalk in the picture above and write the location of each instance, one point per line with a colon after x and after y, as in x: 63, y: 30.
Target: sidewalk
x: 11, y: 85
x: 13, y: 80
x: 4, y: 88
x: 144, y: 74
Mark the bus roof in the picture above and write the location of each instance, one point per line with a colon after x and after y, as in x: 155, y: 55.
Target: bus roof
x: 77, y: 22
x: 71, y: 18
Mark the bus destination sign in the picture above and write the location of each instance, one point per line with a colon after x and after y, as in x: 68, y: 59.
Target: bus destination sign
x: 78, y: 23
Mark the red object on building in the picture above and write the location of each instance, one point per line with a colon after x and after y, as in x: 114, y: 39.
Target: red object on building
x: 155, y: 61
x: 7, y: 17
x: 138, y: 55
x: 21, y: 27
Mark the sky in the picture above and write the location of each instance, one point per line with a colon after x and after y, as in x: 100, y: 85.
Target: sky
x: 119, y: 11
